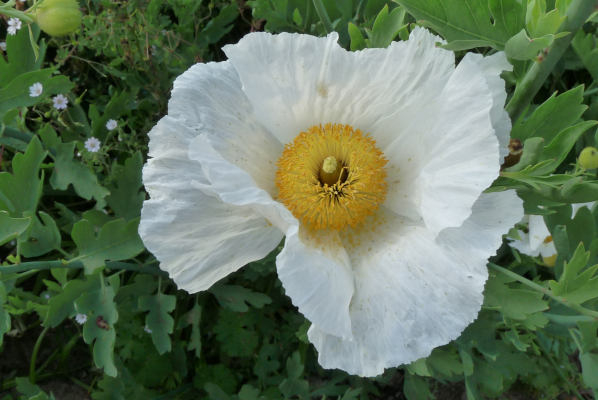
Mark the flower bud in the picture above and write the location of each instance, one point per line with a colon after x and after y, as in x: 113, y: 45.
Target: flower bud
x: 58, y: 17
x: 588, y: 158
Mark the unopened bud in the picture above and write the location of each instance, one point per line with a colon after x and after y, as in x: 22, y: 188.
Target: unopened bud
x: 58, y: 17
x: 588, y: 158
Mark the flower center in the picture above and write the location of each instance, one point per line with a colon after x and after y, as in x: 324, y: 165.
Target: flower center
x: 331, y: 176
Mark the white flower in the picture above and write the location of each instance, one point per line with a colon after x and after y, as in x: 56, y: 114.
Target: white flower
x: 81, y: 318
x: 92, y: 145
x: 14, y: 24
x: 3, y: 46
x: 60, y: 102
x: 387, y: 235
x: 537, y: 240
x: 47, y: 296
x: 111, y: 124
x: 147, y: 329
x: 36, y: 89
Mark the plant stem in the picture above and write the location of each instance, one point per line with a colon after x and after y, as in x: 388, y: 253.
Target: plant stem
x: 36, y: 347
x: 582, y: 310
x: 577, y: 14
x: 323, y: 14
x: 43, y: 265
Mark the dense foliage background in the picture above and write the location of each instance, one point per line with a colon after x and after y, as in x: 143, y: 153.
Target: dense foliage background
x: 68, y: 216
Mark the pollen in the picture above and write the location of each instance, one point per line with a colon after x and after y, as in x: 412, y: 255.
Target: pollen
x: 331, y: 177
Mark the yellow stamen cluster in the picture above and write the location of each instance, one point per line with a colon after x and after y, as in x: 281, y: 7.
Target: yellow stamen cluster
x: 331, y: 177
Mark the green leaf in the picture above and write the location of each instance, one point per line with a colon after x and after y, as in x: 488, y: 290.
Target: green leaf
x: 539, y: 22
x: 522, y: 47
x: 416, y: 388
x: 61, y: 305
x: 577, y: 284
x: 513, y: 303
x: 386, y: 27
x: 293, y: 385
x: 10, y: 227
x: 589, y: 367
x: 193, y: 318
x: 126, y: 194
x: 550, y: 118
x: 19, y: 56
x: 158, y: 320
x: 16, y: 93
x: 117, y: 106
x: 100, y: 307
x: 21, y: 190
x: 236, y: 298
x: 117, y: 240
x: 32, y: 391
x: 68, y: 171
x: 5, y: 323
x: 219, y: 25
x: 236, y: 333
x: 586, y: 48
x: 42, y: 238
x: 471, y: 23
x: 357, y: 40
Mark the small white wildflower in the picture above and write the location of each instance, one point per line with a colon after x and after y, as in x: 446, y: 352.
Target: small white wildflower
x: 36, y: 89
x: 14, y: 24
x: 78, y: 154
x: 147, y: 329
x: 92, y: 145
x: 3, y: 46
x: 81, y: 318
x: 60, y: 102
x: 111, y: 124
x: 47, y: 296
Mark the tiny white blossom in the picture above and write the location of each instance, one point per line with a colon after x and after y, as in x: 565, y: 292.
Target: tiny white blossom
x: 78, y: 154
x: 81, y: 318
x: 60, y: 102
x: 111, y: 124
x: 3, y: 46
x: 92, y: 145
x: 36, y: 89
x: 14, y: 24
x: 147, y: 329
x: 47, y: 296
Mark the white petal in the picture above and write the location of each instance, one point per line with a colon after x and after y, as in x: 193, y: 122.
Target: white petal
x: 197, y: 238
x: 443, y: 165
x: 493, y: 66
x: 318, y: 281
x: 209, y: 98
x: 414, y: 292
x: 296, y: 81
x: 540, y: 238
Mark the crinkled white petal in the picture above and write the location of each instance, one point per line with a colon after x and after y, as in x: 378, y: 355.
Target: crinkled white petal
x: 492, y: 66
x: 209, y: 98
x: 296, y: 81
x: 197, y: 238
x: 318, y: 281
x: 443, y: 169
x: 415, y: 291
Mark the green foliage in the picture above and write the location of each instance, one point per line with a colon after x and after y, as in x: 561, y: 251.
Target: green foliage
x: 74, y: 214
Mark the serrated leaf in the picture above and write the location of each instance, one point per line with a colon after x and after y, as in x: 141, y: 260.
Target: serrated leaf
x: 236, y: 297
x: 513, y: 303
x: 577, y: 284
x: 42, y: 238
x: 386, y: 27
x: 16, y: 93
x: 416, y: 388
x: 522, y: 47
x: 236, y: 333
x: 472, y: 23
x: 21, y: 190
x: 10, y: 227
x: 158, y: 319
x: 62, y: 304
x: 116, y: 107
x: 586, y: 48
x: 19, y: 55
x: 293, y: 385
x: 68, y: 171
x: 552, y: 116
x: 117, y: 240
x: 100, y: 307
x: 126, y: 195
x: 357, y: 39
x: 193, y: 318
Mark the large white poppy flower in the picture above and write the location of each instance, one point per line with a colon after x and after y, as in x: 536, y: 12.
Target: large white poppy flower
x: 371, y: 164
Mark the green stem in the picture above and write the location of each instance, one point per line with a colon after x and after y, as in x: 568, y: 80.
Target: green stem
x: 44, y: 265
x: 582, y: 310
x: 36, y: 347
x: 323, y: 14
x: 577, y: 13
